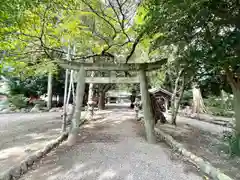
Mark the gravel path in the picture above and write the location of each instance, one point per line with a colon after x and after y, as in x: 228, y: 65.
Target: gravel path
x: 23, y: 133
x: 112, y: 147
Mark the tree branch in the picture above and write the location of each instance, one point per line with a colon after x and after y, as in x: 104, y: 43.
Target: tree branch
x: 121, y: 22
x: 102, y: 17
x: 137, y: 40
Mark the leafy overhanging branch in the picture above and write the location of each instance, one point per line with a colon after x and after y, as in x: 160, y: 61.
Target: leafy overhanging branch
x: 39, y: 40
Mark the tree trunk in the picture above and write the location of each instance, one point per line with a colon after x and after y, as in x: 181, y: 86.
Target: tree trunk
x: 70, y: 87
x: 236, y: 93
x: 64, y: 124
x: 74, y: 100
x: 234, y: 81
x: 177, y: 102
x: 49, y: 93
x: 147, y: 111
x: 174, y: 100
x: 224, y: 98
x: 101, y: 100
x: 79, y: 101
x: 198, y: 104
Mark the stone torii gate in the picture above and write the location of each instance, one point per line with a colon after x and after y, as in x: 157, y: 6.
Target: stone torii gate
x: 141, y: 68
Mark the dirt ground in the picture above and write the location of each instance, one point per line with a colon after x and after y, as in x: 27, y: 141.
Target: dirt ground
x: 24, y: 133
x: 210, y: 146
x: 113, y: 147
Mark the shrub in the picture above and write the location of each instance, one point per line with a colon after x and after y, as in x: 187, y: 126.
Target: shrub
x: 19, y: 101
x: 220, y: 112
x: 217, y: 102
x: 233, y: 141
x: 217, y: 107
x: 187, y: 98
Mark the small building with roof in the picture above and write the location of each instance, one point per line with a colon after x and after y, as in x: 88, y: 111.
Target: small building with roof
x: 161, y: 94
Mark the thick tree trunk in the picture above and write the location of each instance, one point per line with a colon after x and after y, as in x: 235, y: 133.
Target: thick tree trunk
x: 198, y: 104
x: 237, y: 113
x: 79, y: 101
x: 234, y: 81
x: 177, y: 102
x: 49, y: 93
x: 147, y: 111
x: 236, y: 92
x: 64, y: 124
x: 101, y: 100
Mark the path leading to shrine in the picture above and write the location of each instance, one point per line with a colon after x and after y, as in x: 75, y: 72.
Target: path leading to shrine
x: 112, y: 147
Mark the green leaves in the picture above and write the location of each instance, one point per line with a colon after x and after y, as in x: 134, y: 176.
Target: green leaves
x: 40, y: 31
x: 140, y: 17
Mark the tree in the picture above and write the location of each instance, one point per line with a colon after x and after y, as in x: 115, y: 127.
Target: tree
x: 211, y: 31
x: 32, y: 86
x: 198, y: 104
x: 41, y: 34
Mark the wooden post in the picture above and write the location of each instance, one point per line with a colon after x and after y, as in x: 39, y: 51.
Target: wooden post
x: 73, y: 133
x: 147, y: 111
x: 49, y: 93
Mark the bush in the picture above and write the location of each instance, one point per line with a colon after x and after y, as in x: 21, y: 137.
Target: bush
x: 220, y: 112
x: 187, y: 98
x: 216, y: 102
x: 215, y: 105
x: 233, y: 141
x: 19, y: 101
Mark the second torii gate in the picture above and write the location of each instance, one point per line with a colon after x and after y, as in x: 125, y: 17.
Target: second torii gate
x: 141, y: 68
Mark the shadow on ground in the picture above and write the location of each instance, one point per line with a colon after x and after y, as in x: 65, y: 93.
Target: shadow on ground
x: 111, y: 148
x: 18, y: 142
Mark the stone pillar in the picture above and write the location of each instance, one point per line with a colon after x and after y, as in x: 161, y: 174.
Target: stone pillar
x: 137, y: 108
x: 147, y: 111
x: 90, y: 102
